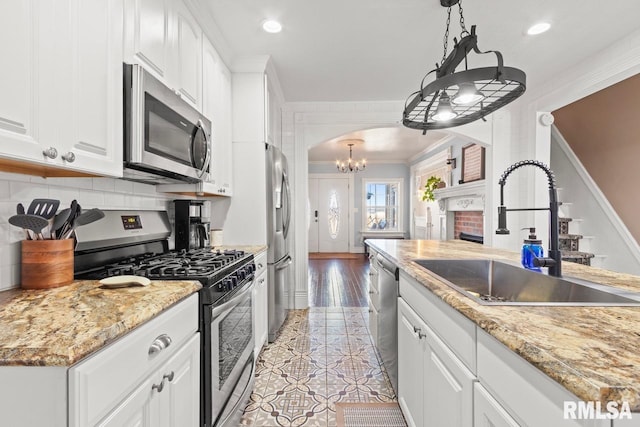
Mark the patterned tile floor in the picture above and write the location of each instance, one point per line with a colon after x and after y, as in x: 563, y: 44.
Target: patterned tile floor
x: 323, y: 355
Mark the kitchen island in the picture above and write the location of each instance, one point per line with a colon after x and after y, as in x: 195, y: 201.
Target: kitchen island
x: 590, y: 351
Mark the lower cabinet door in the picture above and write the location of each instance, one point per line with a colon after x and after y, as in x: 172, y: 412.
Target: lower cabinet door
x: 411, y: 351
x: 181, y: 393
x: 135, y: 410
x: 487, y: 412
x: 170, y: 397
x: 448, y: 387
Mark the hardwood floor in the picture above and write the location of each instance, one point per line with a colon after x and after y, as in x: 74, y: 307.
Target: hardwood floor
x: 339, y: 282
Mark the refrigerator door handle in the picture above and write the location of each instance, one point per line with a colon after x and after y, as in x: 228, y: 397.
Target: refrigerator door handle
x: 286, y: 203
x: 284, y: 263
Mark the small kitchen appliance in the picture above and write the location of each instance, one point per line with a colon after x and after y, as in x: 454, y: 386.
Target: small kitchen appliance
x: 166, y: 140
x: 136, y: 243
x: 191, y: 226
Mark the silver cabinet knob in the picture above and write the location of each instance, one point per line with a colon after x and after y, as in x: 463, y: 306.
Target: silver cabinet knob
x: 69, y: 157
x: 158, y: 387
x: 419, y: 332
x: 50, y: 152
x: 169, y: 377
x: 159, y: 344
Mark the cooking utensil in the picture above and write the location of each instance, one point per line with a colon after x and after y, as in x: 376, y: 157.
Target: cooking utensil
x: 20, y: 211
x: 34, y: 223
x: 59, y: 221
x: 92, y: 215
x: 63, y: 228
x: 45, y: 208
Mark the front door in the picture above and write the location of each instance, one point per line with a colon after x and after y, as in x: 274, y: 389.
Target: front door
x: 329, y: 214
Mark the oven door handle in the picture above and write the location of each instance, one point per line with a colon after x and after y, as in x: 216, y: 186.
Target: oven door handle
x: 237, y: 299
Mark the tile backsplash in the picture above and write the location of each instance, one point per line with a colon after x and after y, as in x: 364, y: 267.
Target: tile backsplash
x: 104, y: 193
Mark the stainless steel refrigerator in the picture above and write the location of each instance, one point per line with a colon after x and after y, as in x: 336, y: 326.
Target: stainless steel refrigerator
x: 278, y: 225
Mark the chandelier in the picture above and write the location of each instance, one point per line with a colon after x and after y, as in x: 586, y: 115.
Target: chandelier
x: 349, y: 165
x: 457, y: 98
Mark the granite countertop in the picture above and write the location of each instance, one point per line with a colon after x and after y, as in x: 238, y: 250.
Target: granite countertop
x: 60, y: 326
x: 591, y: 351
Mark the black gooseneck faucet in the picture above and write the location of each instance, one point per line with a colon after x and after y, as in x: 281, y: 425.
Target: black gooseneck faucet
x: 554, y: 260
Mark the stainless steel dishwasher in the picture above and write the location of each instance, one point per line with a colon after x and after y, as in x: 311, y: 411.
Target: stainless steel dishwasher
x: 383, y: 297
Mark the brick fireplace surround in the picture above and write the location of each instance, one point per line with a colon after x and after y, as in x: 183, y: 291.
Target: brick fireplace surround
x: 468, y: 222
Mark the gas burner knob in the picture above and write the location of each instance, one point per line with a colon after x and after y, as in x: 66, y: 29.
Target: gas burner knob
x: 252, y: 268
x: 227, y: 284
x: 234, y: 280
x: 241, y: 274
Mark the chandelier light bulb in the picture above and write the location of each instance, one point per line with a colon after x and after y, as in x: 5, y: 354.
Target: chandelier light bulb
x: 467, y: 94
x: 444, y: 111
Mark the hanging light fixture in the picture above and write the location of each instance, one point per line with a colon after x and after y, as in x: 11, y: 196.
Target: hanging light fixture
x: 477, y: 92
x: 349, y: 165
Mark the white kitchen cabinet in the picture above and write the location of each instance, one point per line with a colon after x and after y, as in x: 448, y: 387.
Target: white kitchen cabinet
x: 487, y: 412
x: 62, y: 99
x: 261, y: 303
x: 164, y: 37
x: 147, y: 42
x: 170, y: 397
x: 187, y: 58
x: 131, y: 379
x: 411, y: 352
x: 445, y: 394
x: 92, y: 134
x: 216, y: 106
x: 273, y: 114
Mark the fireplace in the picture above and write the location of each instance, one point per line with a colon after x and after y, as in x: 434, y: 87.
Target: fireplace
x: 461, y: 210
x: 469, y: 222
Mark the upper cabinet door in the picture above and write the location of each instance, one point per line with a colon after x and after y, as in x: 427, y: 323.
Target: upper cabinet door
x: 216, y: 105
x: 28, y: 83
x: 94, y: 138
x: 188, y: 50
x: 147, y: 35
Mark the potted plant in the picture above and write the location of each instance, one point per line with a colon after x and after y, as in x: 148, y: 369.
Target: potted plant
x: 433, y: 183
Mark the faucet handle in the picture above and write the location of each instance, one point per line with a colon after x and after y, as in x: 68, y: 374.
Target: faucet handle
x: 544, y: 262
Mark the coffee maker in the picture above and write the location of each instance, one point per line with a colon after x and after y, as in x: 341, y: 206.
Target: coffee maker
x: 191, y: 229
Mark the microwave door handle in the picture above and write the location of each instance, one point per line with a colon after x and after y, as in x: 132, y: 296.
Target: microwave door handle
x: 207, y: 158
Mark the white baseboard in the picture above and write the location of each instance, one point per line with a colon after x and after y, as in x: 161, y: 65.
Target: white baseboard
x: 301, y: 300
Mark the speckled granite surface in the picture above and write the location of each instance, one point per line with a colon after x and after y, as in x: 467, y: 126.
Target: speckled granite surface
x: 591, y: 351
x: 58, y: 327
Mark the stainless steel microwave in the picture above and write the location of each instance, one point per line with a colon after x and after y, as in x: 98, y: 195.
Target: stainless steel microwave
x: 166, y: 140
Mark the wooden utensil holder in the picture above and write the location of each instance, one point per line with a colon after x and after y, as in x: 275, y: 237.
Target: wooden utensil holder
x: 46, y: 263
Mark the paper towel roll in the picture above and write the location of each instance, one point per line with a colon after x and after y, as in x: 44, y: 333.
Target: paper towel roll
x: 216, y: 237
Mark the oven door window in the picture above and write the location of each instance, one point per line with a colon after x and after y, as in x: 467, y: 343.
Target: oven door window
x: 235, y: 335
x: 166, y: 133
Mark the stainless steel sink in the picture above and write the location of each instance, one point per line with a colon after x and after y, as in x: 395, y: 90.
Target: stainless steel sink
x: 491, y: 282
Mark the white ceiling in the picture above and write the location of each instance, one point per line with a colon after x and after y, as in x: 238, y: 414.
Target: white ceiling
x: 382, y: 145
x: 379, y: 50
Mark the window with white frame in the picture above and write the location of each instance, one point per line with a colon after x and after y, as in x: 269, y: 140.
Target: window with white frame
x: 382, y: 205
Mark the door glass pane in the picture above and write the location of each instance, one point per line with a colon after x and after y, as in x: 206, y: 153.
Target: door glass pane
x: 167, y: 133
x: 235, y: 332
x: 334, y: 215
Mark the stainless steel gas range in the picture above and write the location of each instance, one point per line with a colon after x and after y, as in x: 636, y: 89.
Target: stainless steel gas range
x: 135, y: 243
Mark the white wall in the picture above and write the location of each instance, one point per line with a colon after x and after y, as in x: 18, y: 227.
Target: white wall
x: 104, y: 193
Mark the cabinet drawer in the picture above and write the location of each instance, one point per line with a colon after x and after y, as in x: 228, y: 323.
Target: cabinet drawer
x: 538, y: 400
x: 261, y: 263
x: 487, y: 412
x: 99, y: 383
x: 458, y: 332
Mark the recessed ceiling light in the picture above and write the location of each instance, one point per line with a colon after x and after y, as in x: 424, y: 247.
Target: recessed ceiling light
x: 538, y: 28
x: 271, y: 26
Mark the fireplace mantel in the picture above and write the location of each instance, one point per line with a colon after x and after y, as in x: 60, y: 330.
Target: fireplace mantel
x: 459, y: 198
x: 463, y: 197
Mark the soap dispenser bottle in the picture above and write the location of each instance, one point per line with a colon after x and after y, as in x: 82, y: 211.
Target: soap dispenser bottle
x: 531, y: 249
